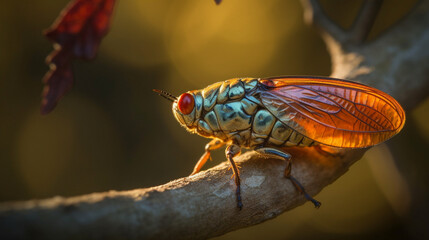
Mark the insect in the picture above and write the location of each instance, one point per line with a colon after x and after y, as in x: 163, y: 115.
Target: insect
x: 268, y: 115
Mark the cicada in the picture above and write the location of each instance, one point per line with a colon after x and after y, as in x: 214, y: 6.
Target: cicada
x: 268, y: 115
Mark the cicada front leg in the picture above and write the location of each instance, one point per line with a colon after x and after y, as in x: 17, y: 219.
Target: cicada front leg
x: 287, y: 173
x: 212, y: 145
x: 230, y: 152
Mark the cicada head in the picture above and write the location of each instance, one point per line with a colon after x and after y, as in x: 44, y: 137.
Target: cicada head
x: 183, y: 107
x: 184, y: 110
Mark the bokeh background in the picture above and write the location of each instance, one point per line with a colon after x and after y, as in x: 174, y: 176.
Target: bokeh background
x: 112, y: 132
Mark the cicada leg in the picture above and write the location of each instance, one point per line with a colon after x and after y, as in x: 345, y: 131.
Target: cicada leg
x: 287, y: 173
x: 212, y: 145
x: 329, y: 151
x: 230, y: 152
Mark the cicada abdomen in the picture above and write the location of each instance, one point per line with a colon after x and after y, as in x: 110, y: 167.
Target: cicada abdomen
x: 269, y: 114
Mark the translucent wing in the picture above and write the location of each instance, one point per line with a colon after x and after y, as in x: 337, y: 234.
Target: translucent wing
x: 331, y: 111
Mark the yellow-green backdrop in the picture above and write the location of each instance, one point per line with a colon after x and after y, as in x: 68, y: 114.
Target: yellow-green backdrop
x: 112, y: 132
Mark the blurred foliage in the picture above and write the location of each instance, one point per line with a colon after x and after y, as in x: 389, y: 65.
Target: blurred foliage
x: 76, y: 33
x: 112, y: 132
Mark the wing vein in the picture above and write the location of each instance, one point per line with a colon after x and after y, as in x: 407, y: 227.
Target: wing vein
x: 344, y: 108
x: 354, y: 103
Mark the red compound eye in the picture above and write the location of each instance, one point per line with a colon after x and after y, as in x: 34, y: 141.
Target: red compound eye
x: 186, y: 103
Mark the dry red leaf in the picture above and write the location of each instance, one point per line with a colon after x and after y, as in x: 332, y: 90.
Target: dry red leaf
x: 76, y: 33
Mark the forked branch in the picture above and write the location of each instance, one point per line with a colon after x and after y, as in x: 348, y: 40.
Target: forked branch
x: 313, y: 14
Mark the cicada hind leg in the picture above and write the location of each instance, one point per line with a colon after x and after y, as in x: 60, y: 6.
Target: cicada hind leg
x: 287, y: 174
x: 330, y: 151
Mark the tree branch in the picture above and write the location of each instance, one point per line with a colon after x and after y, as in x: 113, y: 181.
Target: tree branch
x: 313, y: 14
x: 396, y: 62
x: 364, y: 21
x: 196, y: 207
x: 203, y: 205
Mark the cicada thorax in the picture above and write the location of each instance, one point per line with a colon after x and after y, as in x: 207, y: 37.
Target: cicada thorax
x: 231, y: 111
x: 222, y: 109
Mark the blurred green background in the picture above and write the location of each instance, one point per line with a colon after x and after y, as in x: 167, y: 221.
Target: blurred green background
x: 112, y: 132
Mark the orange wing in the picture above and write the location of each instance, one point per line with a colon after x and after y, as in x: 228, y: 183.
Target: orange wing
x: 334, y: 112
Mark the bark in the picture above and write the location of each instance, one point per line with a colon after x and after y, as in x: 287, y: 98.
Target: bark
x: 203, y: 205
x: 196, y: 207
